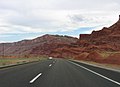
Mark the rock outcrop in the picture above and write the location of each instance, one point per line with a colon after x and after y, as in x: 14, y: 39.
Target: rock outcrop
x: 93, y: 47
x: 105, y: 39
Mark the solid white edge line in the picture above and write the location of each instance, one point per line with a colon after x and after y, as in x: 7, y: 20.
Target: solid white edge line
x: 96, y: 73
x: 36, y: 77
x: 50, y: 65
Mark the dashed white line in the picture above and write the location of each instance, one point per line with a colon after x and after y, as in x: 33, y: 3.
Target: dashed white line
x: 50, y: 65
x: 97, y: 73
x: 35, y: 78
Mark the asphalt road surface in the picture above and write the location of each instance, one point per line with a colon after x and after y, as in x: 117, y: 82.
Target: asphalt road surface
x: 58, y: 73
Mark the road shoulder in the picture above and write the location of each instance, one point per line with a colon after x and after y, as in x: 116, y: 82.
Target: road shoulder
x: 115, y: 68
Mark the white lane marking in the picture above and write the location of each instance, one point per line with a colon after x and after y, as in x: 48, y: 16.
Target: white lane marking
x: 50, y: 65
x: 36, y: 77
x: 96, y: 73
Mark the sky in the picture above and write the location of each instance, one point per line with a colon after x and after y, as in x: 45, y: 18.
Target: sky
x: 28, y: 19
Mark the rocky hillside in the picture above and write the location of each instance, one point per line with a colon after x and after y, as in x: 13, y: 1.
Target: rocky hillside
x: 39, y: 46
x: 99, y: 46
x: 107, y: 39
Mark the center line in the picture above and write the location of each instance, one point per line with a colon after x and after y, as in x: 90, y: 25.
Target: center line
x: 50, y: 65
x: 35, y: 78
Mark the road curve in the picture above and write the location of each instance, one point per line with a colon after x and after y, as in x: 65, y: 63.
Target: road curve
x: 56, y: 73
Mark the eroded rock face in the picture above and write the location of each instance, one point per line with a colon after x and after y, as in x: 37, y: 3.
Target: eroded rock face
x: 105, y: 40
x: 90, y: 46
x: 109, y: 37
x: 113, y: 59
x: 94, y: 56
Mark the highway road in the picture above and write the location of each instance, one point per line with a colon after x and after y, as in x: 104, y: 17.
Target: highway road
x: 58, y: 73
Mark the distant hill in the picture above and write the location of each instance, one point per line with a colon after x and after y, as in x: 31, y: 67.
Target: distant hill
x: 39, y: 46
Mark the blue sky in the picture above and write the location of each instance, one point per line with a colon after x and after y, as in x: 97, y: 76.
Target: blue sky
x: 28, y: 19
x: 11, y: 37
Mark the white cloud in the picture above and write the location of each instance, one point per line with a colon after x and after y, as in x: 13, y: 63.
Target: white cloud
x: 33, y: 16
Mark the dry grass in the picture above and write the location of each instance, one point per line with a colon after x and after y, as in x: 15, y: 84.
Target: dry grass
x: 12, y: 61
